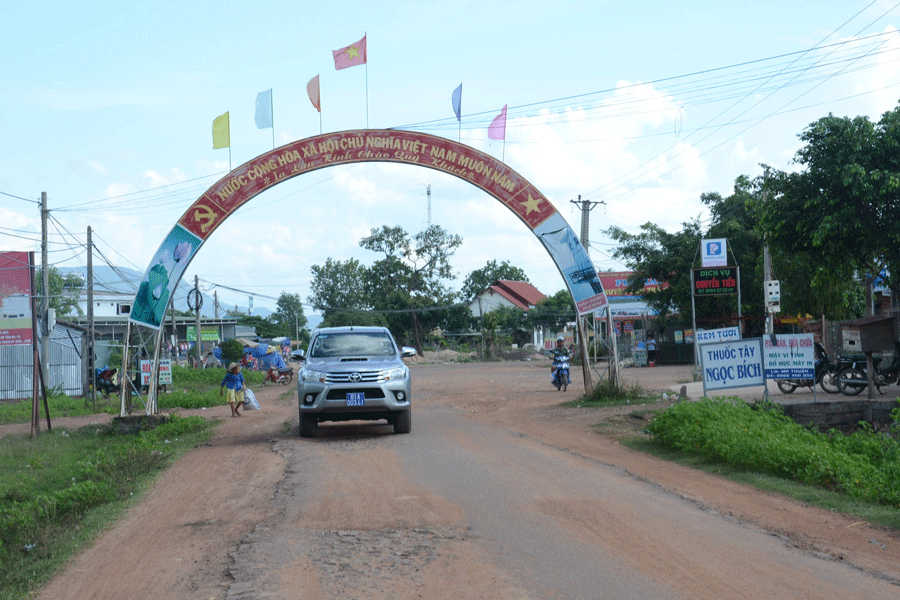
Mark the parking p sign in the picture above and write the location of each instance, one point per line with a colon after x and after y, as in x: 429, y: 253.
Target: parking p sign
x: 713, y: 253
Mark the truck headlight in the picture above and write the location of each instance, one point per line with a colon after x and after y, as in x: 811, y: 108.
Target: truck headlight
x: 315, y: 376
x: 398, y: 373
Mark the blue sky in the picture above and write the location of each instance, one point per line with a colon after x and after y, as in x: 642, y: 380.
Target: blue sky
x: 108, y: 107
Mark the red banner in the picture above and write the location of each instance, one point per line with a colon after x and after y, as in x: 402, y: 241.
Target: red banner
x: 15, y: 298
x: 381, y: 145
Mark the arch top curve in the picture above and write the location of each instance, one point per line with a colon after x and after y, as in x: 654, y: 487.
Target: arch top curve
x: 357, y: 146
x: 366, y: 145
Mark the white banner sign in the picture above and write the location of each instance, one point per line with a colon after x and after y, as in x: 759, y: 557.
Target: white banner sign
x: 790, y: 356
x: 713, y: 253
x: 718, y: 335
x: 728, y: 365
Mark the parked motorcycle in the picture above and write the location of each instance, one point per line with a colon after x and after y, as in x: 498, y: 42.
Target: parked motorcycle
x: 854, y: 379
x: 560, y: 374
x: 283, y: 376
x: 825, y: 372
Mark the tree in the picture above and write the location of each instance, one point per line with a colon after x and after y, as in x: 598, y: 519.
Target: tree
x: 263, y: 326
x: 289, y: 315
x: 842, y: 211
x: 552, y: 312
x: 338, y: 286
x: 670, y: 257
x: 479, y: 279
x: 657, y: 254
x: 411, y: 275
x: 64, y: 291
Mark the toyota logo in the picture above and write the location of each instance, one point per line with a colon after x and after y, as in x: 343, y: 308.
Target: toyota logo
x: 355, y: 377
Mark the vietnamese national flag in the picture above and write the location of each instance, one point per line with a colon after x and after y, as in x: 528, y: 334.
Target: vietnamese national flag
x: 352, y: 55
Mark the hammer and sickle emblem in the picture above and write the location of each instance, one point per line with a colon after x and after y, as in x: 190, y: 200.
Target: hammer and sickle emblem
x: 207, y: 215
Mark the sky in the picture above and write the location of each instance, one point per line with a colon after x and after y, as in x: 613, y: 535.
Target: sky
x: 638, y: 107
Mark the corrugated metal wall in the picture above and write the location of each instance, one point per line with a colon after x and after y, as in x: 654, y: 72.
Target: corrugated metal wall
x: 65, y: 368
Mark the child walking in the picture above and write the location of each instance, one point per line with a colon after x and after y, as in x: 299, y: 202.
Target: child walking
x: 234, y: 381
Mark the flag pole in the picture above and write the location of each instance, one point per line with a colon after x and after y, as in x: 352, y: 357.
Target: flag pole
x: 272, y: 106
x: 366, y: 36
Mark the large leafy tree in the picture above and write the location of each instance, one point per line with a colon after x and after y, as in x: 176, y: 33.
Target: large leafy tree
x: 841, y: 211
x: 657, y: 254
x: 410, y: 280
x: 289, y: 315
x: 63, y: 291
x: 479, y: 279
x: 553, y: 312
x: 339, y: 287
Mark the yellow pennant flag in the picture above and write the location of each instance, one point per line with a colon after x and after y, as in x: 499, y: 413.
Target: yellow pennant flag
x: 221, y: 132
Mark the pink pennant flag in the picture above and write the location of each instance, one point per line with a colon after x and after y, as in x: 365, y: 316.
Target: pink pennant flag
x: 352, y: 55
x: 497, y: 130
x: 312, y: 89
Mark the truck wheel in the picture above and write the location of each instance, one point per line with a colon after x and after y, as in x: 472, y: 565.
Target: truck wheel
x: 308, y: 426
x: 403, y: 422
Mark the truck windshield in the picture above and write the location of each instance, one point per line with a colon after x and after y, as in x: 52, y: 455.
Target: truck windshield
x: 352, y: 344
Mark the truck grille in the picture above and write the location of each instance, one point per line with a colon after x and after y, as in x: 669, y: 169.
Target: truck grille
x: 365, y: 377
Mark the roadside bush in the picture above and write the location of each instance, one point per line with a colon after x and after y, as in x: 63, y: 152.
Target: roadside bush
x: 864, y: 465
x: 232, y: 350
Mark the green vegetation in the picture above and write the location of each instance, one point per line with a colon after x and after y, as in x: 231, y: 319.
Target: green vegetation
x: 58, y: 490
x: 864, y: 465
x: 608, y: 393
x: 192, y: 388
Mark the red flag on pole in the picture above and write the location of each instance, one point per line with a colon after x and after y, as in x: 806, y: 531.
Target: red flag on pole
x: 497, y: 129
x: 312, y: 89
x: 352, y: 55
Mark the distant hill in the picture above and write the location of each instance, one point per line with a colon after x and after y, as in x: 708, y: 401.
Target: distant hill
x: 126, y: 281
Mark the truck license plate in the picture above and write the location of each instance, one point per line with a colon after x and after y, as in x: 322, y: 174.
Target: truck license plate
x: 356, y: 399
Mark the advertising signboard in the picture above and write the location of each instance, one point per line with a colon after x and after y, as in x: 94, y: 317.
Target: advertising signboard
x: 727, y: 365
x: 165, y: 372
x: 715, y: 282
x: 718, y: 335
x: 790, y: 356
x: 15, y: 298
x: 714, y: 253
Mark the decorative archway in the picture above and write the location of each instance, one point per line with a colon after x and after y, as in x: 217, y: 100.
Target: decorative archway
x: 355, y: 146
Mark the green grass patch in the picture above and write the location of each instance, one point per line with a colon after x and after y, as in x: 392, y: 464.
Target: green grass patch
x: 607, y: 393
x: 60, y: 406
x: 876, y: 514
x: 191, y: 388
x: 857, y: 473
x: 58, y: 490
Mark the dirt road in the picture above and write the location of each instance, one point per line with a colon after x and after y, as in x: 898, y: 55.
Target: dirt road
x: 497, y: 493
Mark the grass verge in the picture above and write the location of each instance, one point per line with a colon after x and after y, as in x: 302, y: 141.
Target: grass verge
x: 58, y: 491
x: 856, y: 474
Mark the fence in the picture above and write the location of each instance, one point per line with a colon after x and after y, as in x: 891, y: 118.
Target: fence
x: 16, y: 370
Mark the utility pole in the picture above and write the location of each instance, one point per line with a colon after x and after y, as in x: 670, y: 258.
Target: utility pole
x: 216, y: 303
x: 90, y: 312
x: 428, y: 193
x: 199, y: 302
x: 45, y: 305
x: 586, y: 207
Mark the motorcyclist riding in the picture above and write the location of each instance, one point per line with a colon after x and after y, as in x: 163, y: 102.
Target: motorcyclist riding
x: 560, y: 356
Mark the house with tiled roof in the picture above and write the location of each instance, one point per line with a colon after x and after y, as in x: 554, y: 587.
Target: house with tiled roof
x: 505, y: 293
